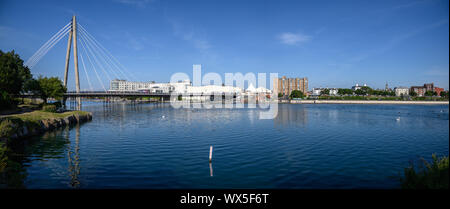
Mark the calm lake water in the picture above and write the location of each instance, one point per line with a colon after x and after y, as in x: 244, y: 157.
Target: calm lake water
x: 306, y: 146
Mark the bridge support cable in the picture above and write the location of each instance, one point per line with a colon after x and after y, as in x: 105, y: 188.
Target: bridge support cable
x: 92, y: 64
x: 103, y: 55
x: 45, y: 45
x: 48, y: 45
x: 37, y: 59
x: 85, y: 71
x: 119, y: 66
x: 95, y: 57
x: 110, y: 57
x: 99, y: 55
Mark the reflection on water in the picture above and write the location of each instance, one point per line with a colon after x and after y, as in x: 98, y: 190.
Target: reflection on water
x: 74, y: 159
x: 291, y: 115
x: 156, y: 146
x: 51, y: 145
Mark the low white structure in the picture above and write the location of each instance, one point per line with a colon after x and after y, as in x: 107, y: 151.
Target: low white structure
x: 333, y: 91
x: 316, y: 91
x: 356, y: 87
x: 260, y: 90
x: 151, y: 87
x: 213, y: 89
x: 399, y: 91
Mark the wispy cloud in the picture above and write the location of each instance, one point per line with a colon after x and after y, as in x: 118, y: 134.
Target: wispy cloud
x: 293, y: 38
x: 191, y: 35
x: 136, y: 3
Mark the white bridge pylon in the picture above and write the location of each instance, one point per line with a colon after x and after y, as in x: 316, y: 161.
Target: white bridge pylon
x: 99, y: 59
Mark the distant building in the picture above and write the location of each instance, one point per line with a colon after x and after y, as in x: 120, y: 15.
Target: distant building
x: 152, y: 87
x: 438, y: 90
x: 317, y: 91
x: 124, y: 85
x: 429, y: 87
x: 212, y: 89
x: 420, y: 90
x: 285, y: 85
x: 356, y: 87
x: 401, y: 91
x: 334, y: 91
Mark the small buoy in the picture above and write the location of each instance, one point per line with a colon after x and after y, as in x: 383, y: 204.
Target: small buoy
x: 397, y: 119
x: 163, y: 116
x: 210, y: 153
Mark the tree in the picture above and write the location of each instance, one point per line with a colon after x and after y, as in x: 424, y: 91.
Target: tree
x: 13, y: 74
x: 32, y: 86
x: 50, y: 87
x: 360, y: 92
x: 280, y: 95
x: 367, y: 90
x: 296, y: 94
x: 444, y: 94
x: 430, y: 93
x: 345, y: 91
x: 412, y: 93
x: 325, y: 91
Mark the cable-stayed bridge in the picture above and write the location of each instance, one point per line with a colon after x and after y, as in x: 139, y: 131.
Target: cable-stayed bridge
x: 97, y: 63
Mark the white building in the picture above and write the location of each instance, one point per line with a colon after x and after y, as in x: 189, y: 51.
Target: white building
x: 356, y: 87
x: 260, y: 90
x: 399, y: 91
x: 213, y: 89
x: 316, y: 91
x: 333, y: 91
x: 123, y: 85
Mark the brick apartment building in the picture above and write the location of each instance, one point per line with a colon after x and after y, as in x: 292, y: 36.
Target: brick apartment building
x: 438, y: 90
x: 285, y: 85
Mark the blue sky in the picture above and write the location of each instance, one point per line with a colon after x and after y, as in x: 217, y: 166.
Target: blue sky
x: 333, y: 43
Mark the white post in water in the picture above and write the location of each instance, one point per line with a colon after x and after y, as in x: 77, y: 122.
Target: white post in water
x: 210, y: 153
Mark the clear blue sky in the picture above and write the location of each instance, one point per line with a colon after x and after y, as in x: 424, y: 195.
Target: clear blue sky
x: 333, y: 43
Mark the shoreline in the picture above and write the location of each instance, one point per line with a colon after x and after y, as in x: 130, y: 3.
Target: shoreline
x: 363, y: 102
x: 18, y: 126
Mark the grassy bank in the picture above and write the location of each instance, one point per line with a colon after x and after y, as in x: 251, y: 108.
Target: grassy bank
x: 41, y: 115
x: 35, y: 122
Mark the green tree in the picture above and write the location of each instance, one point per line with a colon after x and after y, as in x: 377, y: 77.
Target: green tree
x: 367, y: 90
x: 325, y: 91
x: 345, y: 91
x: 280, y: 95
x: 296, y: 94
x: 430, y: 93
x: 444, y: 94
x: 412, y: 93
x: 13, y: 75
x: 32, y: 86
x: 50, y: 87
x: 360, y: 92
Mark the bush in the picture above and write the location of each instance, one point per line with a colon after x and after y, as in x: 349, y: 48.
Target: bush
x: 6, y: 101
x: 428, y: 176
x: 57, y: 104
x: 49, y: 108
x: 7, y: 127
